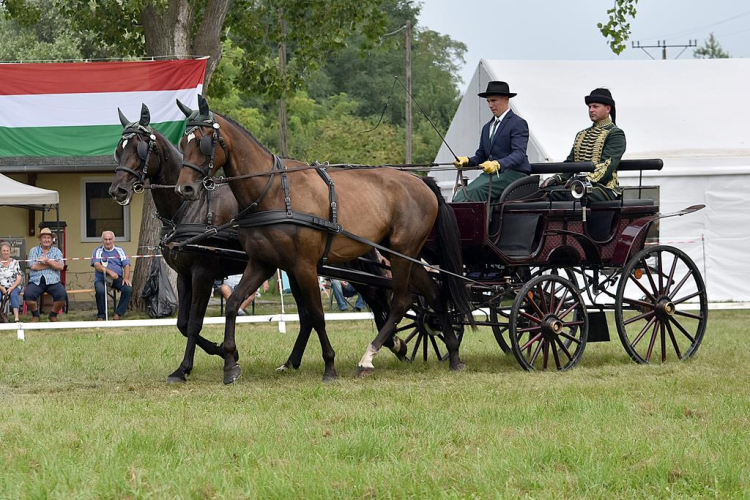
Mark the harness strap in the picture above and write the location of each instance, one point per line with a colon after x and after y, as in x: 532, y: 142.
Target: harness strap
x: 333, y: 214
x: 272, y: 217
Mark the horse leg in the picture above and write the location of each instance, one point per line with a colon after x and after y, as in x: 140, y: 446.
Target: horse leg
x: 305, y: 328
x: 429, y: 289
x: 190, y: 323
x: 400, y: 303
x: 377, y: 300
x: 185, y: 312
x: 254, y: 276
x: 307, y: 280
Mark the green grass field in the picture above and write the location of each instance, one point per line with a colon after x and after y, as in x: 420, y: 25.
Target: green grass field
x: 87, y: 415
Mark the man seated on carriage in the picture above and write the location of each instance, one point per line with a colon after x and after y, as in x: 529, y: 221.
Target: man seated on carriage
x: 502, y: 149
x: 603, y: 144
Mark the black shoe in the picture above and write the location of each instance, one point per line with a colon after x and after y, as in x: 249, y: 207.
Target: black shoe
x: 357, y: 309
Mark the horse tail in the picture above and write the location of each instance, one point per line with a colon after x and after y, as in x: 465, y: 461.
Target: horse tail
x: 448, y: 242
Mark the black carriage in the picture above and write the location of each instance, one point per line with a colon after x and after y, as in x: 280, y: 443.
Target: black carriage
x: 543, y: 274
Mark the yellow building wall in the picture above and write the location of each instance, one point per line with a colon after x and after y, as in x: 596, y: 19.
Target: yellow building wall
x: 15, y: 222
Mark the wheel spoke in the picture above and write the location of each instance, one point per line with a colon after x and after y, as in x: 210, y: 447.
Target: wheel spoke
x: 416, y: 348
x: 405, y: 327
x: 526, y: 315
x: 682, y: 282
x: 532, y: 358
x: 561, y: 303
x: 563, y: 348
x: 637, y: 302
x: 643, y: 332
x: 687, y: 297
x: 533, y: 339
x: 545, y: 355
x: 689, y: 315
x: 568, y: 310
x: 645, y: 315
x: 543, y: 300
x: 553, y: 347
x: 411, y: 335
x: 534, y: 305
x: 661, y: 274
x: 670, y: 280
x: 652, y: 342
x: 650, y: 278
x: 573, y: 323
x: 643, y: 288
x: 435, y: 346
x: 674, y: 340
x: 570, y: 337
x: 681, y: 328
x: 529, y: 329
x: 663, y: 342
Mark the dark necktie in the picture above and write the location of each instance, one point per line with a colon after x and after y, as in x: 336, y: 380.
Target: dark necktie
x: 495, y: 126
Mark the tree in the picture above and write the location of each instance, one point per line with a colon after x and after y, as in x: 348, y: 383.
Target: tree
x: 711, y: 49
x: 617, y: 30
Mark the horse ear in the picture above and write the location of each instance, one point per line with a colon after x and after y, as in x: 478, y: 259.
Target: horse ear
x: 203, y: 106
x: 186, y: 110
x: 125, y: 122
x: 145, y: 115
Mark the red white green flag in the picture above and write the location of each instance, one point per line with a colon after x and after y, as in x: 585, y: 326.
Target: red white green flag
x: 70, y: 109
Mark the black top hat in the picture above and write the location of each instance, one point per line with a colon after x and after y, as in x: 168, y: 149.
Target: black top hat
x: 602, y: 96
x: 497, y: 88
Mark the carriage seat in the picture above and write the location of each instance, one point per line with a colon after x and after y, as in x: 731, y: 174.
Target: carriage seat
x: 519, y: 189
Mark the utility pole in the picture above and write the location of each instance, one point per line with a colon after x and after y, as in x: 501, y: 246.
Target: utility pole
x: 408, y: 92
x: 283, y: 120
x: 663, y: 46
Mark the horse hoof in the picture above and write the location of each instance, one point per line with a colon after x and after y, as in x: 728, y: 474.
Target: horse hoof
x: 232, y: 373
x: 282, y: 369
x: 363, y: 372
x: 330, y: 377
x: 459, y: 367
x: 176, y: 379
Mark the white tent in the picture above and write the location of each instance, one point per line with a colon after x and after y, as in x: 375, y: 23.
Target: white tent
x: 16, y: 193
x: 690, y: 113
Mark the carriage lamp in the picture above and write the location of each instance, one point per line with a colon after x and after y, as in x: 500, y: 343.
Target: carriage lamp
x: 579, y: 188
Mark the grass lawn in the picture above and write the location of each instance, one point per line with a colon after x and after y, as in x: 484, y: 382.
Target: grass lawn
x: 86, y: 414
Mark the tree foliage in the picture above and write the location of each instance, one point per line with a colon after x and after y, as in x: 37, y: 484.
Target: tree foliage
x: 617, y: 29
x: 711, y: 49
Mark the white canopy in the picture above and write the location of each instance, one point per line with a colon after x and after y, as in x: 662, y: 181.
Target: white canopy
x: 691, y: 113
x: 17, y: 193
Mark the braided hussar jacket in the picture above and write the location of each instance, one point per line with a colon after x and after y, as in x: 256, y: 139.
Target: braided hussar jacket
x: 603, y: 144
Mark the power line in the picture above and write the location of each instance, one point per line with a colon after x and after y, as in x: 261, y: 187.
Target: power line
x: 662, y: 44
x: 691, y: 30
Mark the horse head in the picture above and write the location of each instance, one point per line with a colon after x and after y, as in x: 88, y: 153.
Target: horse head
x: 135, y: 157
x: 204, y: 149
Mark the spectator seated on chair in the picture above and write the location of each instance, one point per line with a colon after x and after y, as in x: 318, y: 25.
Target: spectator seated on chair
x: 112, y: 270
x: 46, y: 262
x: 11, y: 278
x: 342, y: 290
x: 227, y: 286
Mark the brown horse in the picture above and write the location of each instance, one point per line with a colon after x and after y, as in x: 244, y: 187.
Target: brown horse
x: 385, y: 206
x: 144, y: 154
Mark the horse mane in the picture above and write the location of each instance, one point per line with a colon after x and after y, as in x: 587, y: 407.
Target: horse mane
x: 247, y: 133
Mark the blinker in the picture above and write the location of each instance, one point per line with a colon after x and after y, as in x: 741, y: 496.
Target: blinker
x: 143, y: 150
x: 206, y: 145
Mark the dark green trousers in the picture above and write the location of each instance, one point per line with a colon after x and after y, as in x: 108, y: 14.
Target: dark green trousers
x: 479, y: 188
x: 598, y: 193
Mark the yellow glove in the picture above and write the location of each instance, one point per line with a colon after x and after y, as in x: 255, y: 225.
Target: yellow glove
x: 461, y: 162
x: 490, y: 167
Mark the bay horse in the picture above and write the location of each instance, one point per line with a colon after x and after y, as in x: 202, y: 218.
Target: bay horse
x: 385, y: 206
x: 144, y: 154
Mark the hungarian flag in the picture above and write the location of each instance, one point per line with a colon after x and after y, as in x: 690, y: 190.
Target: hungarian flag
x: 70, y: 109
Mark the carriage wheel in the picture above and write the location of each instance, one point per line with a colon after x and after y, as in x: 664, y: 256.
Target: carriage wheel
x: 501, y: 329
x: 654, y: 319
x: 425, y: 332
x: 549, y: 325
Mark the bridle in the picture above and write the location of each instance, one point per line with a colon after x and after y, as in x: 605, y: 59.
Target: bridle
x: 207, y: 146
x: 144, y: 149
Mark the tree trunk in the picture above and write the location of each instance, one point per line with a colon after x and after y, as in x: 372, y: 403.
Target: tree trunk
x: 149, y: 238
x: 160, y: 42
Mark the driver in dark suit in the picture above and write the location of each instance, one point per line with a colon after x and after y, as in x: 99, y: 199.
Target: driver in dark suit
x: 502, y: 148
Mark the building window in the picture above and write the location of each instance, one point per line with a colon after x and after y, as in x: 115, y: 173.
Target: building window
x: 101, y: 213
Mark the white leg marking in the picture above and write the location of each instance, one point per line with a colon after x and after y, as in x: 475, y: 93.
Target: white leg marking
x: 366, y: 361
